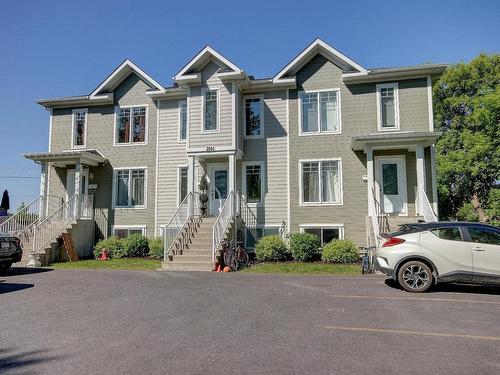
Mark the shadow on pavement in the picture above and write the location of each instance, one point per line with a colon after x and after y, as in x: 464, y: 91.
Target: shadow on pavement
x: 454, y: 288
x: 11, y: 360
x: 11, y: 287
x: 15, y: 271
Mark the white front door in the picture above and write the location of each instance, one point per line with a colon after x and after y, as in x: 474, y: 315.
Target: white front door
x: 71, y: 190
x: 218, y: 186
x: 391, y: 183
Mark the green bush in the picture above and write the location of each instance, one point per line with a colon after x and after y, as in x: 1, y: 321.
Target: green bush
x: 156, y: 248
x: 305, y: 246
x: 136, y: 245
x: 271, y: 248
x: 340, y: 251
x: 113, y: 245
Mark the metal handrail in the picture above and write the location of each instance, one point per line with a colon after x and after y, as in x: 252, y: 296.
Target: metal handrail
x: 176, y: 223
x: 246, y: 215
x: 424, y: 205
x: 222, y: 223
x: 22, y: 220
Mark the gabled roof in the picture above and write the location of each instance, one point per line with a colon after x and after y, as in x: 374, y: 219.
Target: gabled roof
x: 119, y: 74
x: 201, y: 59
x: 318, y: 46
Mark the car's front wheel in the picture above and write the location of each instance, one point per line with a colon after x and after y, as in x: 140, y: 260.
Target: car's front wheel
x: 415, y: 276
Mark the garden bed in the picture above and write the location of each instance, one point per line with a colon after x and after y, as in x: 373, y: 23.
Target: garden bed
x: 314, y: 268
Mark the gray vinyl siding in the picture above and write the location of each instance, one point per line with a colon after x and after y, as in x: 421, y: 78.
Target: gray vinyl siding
x: 224, y: 136
x: 100, y: 133
x: 272, y: 150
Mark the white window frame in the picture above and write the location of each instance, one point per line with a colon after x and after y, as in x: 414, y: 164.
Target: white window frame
x: 244, y: 180
x: 262, y: 116
x: 179, y: 167
x: 129, y: 227
x: 115, y: 127
x: 395, y: 86
x: 301, y: 197
x: 339, y: 112
x: 129, y: 207
x: 179, y: 139
x: 217, y: 118
x: 74, y: 112
x: 340, y: 227
x: 259, y: 226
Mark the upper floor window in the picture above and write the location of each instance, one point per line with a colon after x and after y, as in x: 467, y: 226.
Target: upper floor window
x: 254, y: 117
x: 253, y: 182
x: 130, y: 188
x: 79, y: 130
x: 388, y: 106
x: 131, y: 125
x: 182, y: 120
x: 321, y: 182
x: 210, y: 110
x: 320, y: 112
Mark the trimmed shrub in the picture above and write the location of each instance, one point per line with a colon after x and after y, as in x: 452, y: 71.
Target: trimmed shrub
x: 113, y: 245
x: 271, y: 248
x: 136, y: 245
x: 156, y: 248
x: 340, y: 251
x: 305, y: 247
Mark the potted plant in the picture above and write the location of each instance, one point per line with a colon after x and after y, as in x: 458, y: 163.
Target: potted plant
x: 202, y: 188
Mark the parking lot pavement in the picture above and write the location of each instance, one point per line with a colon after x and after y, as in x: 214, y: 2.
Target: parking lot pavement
x: 129, y: 322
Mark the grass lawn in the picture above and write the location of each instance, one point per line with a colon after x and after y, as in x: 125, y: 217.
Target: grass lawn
x: 305, y: 268
x: 113, y: 264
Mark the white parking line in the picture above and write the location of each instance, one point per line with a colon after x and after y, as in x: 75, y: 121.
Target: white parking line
x: 415, y: 299
x: 414, y: 333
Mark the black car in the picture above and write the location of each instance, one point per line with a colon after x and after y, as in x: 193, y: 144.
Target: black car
x: 10, y: 251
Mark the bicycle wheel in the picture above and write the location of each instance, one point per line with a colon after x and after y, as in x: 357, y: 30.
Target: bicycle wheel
x: 242, y: 257
x: 228, y: 255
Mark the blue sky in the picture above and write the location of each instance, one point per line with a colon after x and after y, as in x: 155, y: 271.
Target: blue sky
x: 60, y: 48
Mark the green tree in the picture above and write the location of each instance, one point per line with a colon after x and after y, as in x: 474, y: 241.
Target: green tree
x: 467, y: 111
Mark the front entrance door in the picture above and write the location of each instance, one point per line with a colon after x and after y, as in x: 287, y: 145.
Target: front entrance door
x: 84, y: 190
x: 218, y: 174
x: 391, y: 181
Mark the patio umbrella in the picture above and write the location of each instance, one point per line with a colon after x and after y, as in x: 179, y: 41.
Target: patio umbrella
x: 5, y: 201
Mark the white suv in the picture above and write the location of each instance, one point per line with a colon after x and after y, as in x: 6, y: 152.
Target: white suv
x: 420, y: 255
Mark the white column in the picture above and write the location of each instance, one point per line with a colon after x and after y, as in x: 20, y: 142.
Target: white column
x: 191, y: 182
x: 78, y: 188
x: 420, y: 174
x: 44, y: 180
x: 232, y: 173
x: 370, y: 179
x: 434, y: 180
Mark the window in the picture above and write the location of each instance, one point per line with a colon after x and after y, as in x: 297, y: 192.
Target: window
x: 254, y: 116
x: 183, y: 183
x: 387, y: 106
x: 253, y: 235
x: 79, y: 130
x: 210, y: 111
x: 125, y: 231
x: 390, y: 179
x: 182, y: 121
x: 130, y: 188
x: 321, y: 182
x: 484, y: 235
x: 451, y: 233
x: 320, y: 112
x: 325, y: 234
x: 131, y: 125
x: 253, y: 182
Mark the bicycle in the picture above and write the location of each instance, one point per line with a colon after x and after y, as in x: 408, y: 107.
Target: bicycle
x: 367, y: 262
x: 235, y: 257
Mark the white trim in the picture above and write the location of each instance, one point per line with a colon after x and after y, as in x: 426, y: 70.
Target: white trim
x: 429, y: 103
x: 201, y: 54
x: 115, y: 128
x: 401, y: 176
x: 434, y: 179
x: 128, y: 227
x: 50, y: 128
x: 319, y: 132
x: 178, y: 194
x: 126, y: 64
x: 75, y: 111
x: 188, y: 113
x: 113, y: 195
x: 234, y: 115
x: 211, y: 167
x: 340, y: 227
x: 262, y: 181
x: 262, y: 116
x: 318, y: 43
x: 217, y: 118
x: 341, y: 183
x: 179, y: 105
x: 157, y: 162
x: 289, y: 213
x: 379, y: 87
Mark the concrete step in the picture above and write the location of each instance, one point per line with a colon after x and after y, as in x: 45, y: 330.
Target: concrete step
x: 193, y: 257
x: 187, y: 266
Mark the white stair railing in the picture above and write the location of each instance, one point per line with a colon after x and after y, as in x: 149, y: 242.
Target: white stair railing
x: 53, y: 225
x: 246, y: 215
x: 23, y: 220
x: 179, y: 219
x: 424, y: 206
x: 226, y: 215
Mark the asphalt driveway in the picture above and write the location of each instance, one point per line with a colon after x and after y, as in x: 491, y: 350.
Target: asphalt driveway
x: 130, y: 322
